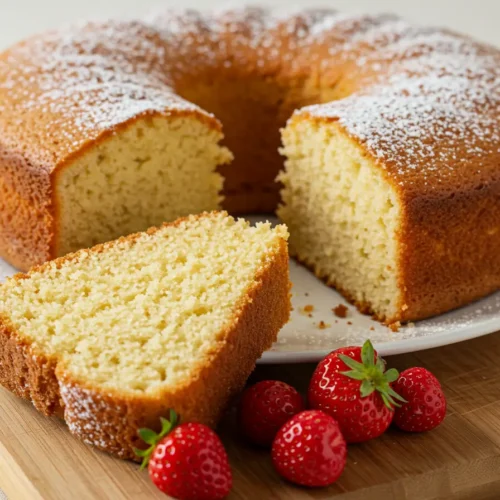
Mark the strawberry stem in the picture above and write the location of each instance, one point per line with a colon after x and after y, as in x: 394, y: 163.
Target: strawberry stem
x: 153, y: 438
x: 372, y: 375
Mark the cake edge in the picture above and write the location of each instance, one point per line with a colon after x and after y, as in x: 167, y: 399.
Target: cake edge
x: 109, y: 419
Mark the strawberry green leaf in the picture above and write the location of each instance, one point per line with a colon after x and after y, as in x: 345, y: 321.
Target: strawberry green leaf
x: 145, y: 455
x: 391, y: 375
x: 395, y: 395
x: 373, y: 375
x: 368, y: 354
x: 145, y: 461
x: 351, y: 363
x: 380, y: 364
x: 141, y: 453
x: 148, y: 436
x: 356, y: 375
x: 366, y: 388
x: 386, y: 400
x: 173, y: 417
x: 152, y: 438
x: 166, y: 426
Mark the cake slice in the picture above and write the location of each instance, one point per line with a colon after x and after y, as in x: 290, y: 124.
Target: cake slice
x: 113, y: 337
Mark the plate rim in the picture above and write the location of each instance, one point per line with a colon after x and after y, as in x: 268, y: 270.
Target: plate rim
x: 402, y: 346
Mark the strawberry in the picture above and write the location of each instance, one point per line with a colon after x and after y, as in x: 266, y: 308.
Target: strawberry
x: 187, y: 462
x: 309, y: 449
x: 426, y: 406
x: 265, y: 407
x: 352, y: 386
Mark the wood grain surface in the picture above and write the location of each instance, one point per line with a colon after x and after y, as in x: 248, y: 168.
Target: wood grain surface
x: 40, y: 459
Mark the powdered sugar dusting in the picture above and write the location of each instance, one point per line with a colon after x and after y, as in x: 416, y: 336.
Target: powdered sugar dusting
x: 273, y: 34
x: 410, y: 82
x: 430, y: 104
x: 86, y: 78
x: 396, y: 121
x: 84, y: 411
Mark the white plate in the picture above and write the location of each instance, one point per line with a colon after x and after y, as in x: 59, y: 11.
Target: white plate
x: 302, y: 340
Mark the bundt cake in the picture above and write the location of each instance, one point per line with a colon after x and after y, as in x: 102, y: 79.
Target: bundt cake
x: 391, y: 187
x: 112, y: 337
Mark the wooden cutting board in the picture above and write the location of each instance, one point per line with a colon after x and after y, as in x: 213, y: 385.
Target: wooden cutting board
x: 39, y: 459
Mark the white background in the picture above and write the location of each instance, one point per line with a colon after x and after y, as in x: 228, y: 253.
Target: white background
x: 20, y: 18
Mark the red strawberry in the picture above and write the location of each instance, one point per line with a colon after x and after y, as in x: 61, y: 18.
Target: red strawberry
x: 352, y: 386
x: 310, y: 450
x: 188, y: 462
x: 426, y: 406
x: 265, y: 407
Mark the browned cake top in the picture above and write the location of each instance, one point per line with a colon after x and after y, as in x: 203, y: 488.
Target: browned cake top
x: 430, y: 111
x: 423, y: 101
x: 64, y: 89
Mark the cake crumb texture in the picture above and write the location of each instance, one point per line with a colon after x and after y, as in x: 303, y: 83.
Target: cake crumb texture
x: 390, y: 133
x: 112, y: 337
x: 350, y: 235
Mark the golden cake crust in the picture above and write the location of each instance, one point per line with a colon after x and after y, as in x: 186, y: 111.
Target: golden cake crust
x: 55, y: 104
x: 422, y: 102
x: 62, y: 91
x: 448, y: 239
x: 109, y: 419
x: 424, y: 106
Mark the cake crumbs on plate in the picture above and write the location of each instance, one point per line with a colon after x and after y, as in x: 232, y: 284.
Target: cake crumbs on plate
x: 340, y: 311
x: 322, y: 325
x: 349, y: 322
x: 395, y: 326
x: 372, y: 328
x: 307, y: 310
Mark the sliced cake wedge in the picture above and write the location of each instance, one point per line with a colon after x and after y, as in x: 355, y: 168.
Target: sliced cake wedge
x: 113, y: 337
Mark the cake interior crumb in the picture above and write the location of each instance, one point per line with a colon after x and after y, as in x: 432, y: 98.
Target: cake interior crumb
x: 138, y: 314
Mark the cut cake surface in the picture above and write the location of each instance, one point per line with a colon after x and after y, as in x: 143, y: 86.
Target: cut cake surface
x: 112, y: 337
